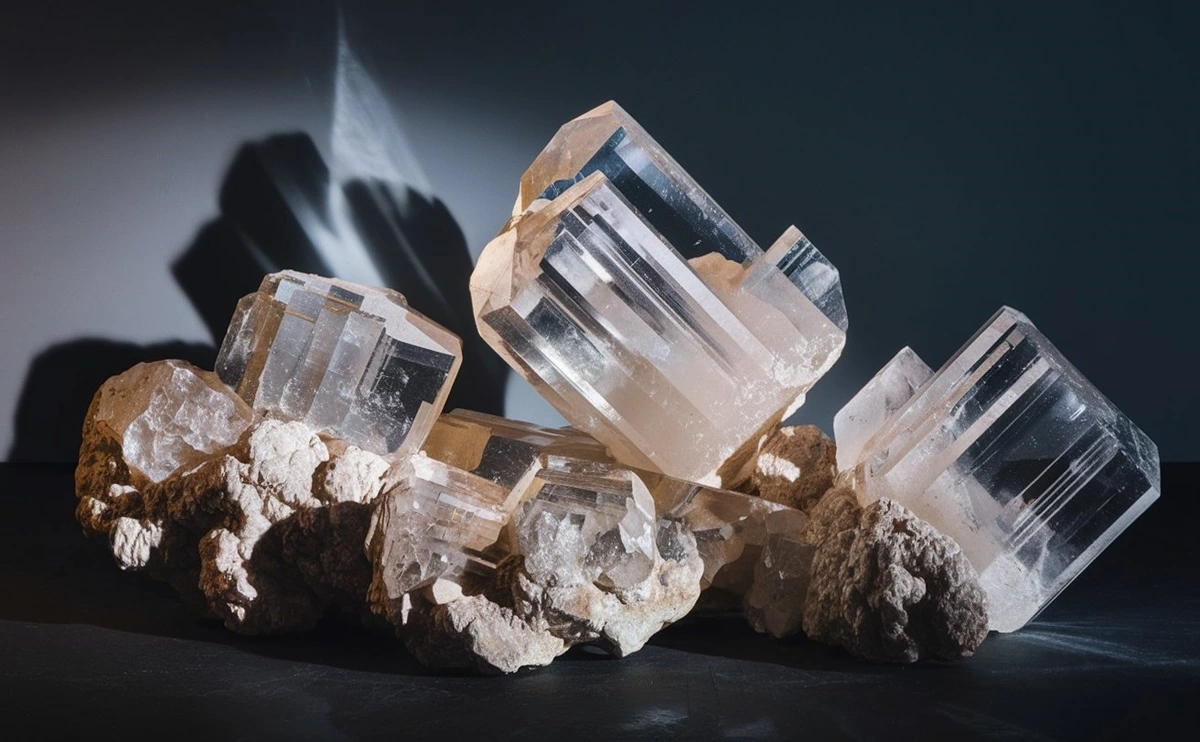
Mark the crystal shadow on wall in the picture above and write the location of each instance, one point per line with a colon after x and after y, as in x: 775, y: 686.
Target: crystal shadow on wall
x: 369, y: 216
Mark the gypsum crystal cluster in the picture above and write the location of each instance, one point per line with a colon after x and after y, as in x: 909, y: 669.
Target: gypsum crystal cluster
x: 315, y: 472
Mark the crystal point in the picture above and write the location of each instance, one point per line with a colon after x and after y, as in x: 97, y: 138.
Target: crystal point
x: 642, y: 312
x: 1017, y: 456
x: 348, y: 360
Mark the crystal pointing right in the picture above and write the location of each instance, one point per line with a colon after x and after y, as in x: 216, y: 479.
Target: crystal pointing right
x: 1009, y: 450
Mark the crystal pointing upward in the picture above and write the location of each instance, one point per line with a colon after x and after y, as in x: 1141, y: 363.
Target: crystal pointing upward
x: 640, y: 310
x: 348, y: 360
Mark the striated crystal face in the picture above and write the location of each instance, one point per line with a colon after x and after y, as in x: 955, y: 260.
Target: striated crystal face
x: 638, y: 308
x: 868, y: 410
x: 586, y: 522
x: 1012, y: 452
x: 502, y: 450
x: 169, y: 415
x: 440, y: 521
x: 348, y: 360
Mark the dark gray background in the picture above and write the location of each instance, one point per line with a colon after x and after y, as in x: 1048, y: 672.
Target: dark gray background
x: 948, y: 158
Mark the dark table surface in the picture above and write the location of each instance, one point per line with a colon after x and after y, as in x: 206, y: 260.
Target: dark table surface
x: 87, y: 651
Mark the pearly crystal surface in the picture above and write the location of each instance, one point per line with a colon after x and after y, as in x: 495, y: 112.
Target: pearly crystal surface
x: 168, y: 415
x: 868, y: 410
x: 350, y: 361
x: 1012, y: 452
x: 644, y: 314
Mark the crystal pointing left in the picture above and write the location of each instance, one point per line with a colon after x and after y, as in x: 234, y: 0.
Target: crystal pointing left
x: 348, y: 360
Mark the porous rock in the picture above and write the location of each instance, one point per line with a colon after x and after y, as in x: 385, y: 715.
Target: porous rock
x: 893, y: 589
x: 264, y: 534
x: 795, y: 466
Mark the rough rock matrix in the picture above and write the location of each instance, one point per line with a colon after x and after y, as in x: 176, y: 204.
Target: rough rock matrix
x: 894, y: 589
x: 795, y: 466
x: 265, y: 534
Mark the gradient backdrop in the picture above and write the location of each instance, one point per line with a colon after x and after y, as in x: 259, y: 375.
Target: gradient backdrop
x: 948, y: 158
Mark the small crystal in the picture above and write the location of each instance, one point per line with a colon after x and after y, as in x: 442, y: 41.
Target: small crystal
x: 867, y: 411
x: 587, y: 522
x: 445, y: 517
x: 170, y: 414
x: 438, y: 522
x: 640, y: 310
x: 350, y: 361
x: 1009, y: 450
x: 775, y: 603
x: 730, y: 528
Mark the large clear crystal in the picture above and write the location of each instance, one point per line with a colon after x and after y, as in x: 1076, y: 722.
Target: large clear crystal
x: 170, y: 414
x: 638, y: 308
x: 350, y: 361
x: 1012, y: 452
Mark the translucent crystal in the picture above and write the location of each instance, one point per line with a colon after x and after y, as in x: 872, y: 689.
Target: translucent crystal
x: 867, y: 411
x: 444, y: 520
x: 775, y: 602
x: 440, y: 521
x: 1013, y: 453
x: 169, y: 415
x: 348, y: 360
x: 502, y: 450
x: 586, y: 522
x: 730, y: 528
x: 638, y: 308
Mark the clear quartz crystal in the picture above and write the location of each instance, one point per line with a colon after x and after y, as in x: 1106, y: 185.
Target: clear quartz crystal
x: 439, y: 521
x: 169, y: 415
x: 445, y: 518
x: 1013, y: 453
x: 867, y: 411
x: 586, y: 522
x: 348, y: 360
x: 642, y: 312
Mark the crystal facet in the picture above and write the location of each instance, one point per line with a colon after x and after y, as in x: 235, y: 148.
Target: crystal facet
x: 350, y: 361
x: 640, y: 310
x: 867, y: 411
x: 169, y: 415
x: 445, y: 517
x: 587, y: 522
x: 730, y: 528
x: 1012, y: 452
